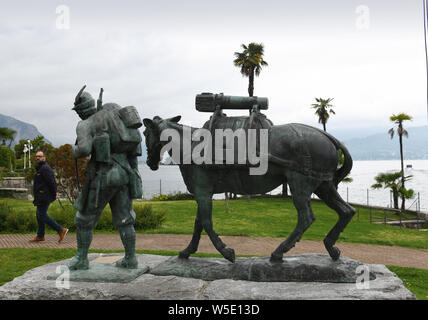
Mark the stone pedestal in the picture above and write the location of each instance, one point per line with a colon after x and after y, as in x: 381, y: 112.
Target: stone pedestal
x: 161, y: 282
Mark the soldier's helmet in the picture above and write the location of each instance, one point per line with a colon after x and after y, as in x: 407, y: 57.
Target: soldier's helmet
x: 84, y: 104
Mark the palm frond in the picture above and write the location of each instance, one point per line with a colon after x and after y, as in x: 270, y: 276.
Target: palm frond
x: 405, y: 133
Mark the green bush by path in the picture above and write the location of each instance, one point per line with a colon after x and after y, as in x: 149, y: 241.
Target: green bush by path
x: 19, y: 216
x: 147, y: 218
x: 174, y: 197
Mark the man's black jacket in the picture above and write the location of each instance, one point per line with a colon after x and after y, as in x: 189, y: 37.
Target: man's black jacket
x: 44, y: 184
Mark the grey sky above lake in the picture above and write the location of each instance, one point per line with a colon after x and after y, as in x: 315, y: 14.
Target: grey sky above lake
x: 157, y: 55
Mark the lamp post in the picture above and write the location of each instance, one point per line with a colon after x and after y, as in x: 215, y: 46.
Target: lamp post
x: 30, y: 147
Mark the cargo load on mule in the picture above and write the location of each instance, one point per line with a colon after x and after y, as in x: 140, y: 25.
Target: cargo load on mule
x: 216, y: 103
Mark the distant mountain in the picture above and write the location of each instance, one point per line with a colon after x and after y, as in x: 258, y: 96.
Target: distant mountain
x: 381, y: 147
x: 377, y: 146
x: 23, y: 130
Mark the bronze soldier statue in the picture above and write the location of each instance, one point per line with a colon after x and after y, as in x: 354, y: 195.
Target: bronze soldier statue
x: 109, y: 135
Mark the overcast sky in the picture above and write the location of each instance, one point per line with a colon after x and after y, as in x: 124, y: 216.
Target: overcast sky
x: 157, y: 55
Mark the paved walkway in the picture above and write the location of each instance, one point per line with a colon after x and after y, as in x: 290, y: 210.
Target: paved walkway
x: 372, y: 254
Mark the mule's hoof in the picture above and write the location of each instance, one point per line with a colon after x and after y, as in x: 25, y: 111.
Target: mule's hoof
x: 229, y: 254
x: 275, y: 258
x: 334, y: 253
x: 183, y: 255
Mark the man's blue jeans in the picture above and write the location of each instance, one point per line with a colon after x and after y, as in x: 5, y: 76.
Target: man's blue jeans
x: 43, y: 218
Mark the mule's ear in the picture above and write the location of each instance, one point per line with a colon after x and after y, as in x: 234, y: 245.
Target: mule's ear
x: 148, y: 123
x: 175, y: 119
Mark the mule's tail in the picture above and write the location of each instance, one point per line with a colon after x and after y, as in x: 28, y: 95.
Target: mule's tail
x: 345, y: 168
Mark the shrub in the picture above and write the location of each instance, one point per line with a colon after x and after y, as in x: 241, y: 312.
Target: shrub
x: 7, y: 158
x: 146, y: 218
x: 5, y: 210
x: 14, y: 221
x: 174, y: 196
x: 6, y: 194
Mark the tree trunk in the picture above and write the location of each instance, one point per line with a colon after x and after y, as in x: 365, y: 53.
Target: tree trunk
x: 251, y: 83
x: 395, y: 198
x: 403, y: 202
x: 323, y: 125
x: 284, y: 190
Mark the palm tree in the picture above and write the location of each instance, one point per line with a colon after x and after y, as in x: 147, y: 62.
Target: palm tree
x: 399, y: 119
x: 393, y: 181
x: 322, y: 110
x: 7, y: 134
x: 250, y: 61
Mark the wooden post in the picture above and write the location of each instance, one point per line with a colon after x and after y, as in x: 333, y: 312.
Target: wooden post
x: 370, y: 215
x: 400, y: 219
x: 419, y: 203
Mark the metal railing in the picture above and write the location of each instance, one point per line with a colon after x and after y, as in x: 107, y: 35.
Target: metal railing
x: 385, y: 218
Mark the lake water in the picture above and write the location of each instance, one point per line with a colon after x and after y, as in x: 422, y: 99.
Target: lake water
x: 168, y: 180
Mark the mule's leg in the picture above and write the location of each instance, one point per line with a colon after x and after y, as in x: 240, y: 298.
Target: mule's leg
x: 205, y: 215
x: 328, y: 193
x: 301, y: 190
x: 193, y: 245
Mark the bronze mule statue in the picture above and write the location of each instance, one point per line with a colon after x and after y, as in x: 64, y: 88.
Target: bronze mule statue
x: 305, y: 157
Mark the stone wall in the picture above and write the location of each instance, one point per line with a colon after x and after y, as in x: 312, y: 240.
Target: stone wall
x: 14, y: 182
x: 15, y: 187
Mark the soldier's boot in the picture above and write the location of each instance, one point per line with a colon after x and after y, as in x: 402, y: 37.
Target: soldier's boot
x: 127, y: 235
x: 80, y: 260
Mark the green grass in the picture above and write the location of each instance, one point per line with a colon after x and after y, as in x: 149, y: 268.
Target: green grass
x: 268, y: 218
x: 14, y: 262
x: 415, y: 280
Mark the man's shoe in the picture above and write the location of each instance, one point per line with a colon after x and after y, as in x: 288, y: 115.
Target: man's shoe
x: 62, y: 234
x: 37, y: 239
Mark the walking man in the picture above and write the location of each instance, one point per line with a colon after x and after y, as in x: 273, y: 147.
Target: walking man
x: 45, y: 192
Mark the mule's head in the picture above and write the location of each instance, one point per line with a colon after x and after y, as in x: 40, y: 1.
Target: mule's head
x: 153, y: 142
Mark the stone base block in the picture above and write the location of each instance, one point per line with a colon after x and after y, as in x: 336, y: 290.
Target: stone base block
x: 294, y: 268
x: 35, y: 284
